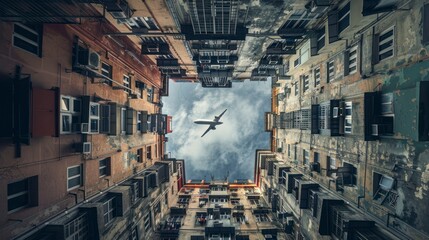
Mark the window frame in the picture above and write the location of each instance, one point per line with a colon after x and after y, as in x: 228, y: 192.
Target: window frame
x: 305, y: 157
x: 107, y: 72
x: 344, y: 17
x: 105, y: 168
x: 71, y: 113
x: 330, y: 67
x: 139, y: 121
x: 317, y: 77
x: 110, y: 213
x: 37, y: 32
x: 305, y: 82
x: 123, y: 120
x: 348, y: 117
x: 26, y: 191
x: 80, y: 176
x: 93, y: 117
x: 126, y: 82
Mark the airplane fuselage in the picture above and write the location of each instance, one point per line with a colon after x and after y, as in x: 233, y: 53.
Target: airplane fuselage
x: 207, y: 122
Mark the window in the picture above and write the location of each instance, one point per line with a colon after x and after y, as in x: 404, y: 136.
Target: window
x: 140, y: 155
x: 127, y: 85
x: 70, y: 114
x: 306, y: 83
x: 324, y: 113
x: 139, y: 121
x: 147, y: 222
x: 387, y: 104
x: 150, y: 94
x: 22, y: 194
x: 305, y: 118
x: 296, y: 88
x: 305, y: 157
x: 262, y: 217
x: 106, y: 70
x: 134, y: 235
x: 296, y: 62
x: 321, y: 39
x: 331, y: 71
x: 28, y: 37
x: 351, y: 61
x: 331, y: 165
x: 149, y: 152
x: 108, y: 211
x: 349, y: 174
x: 316, y: 157
x: 94, y: 117
x: 74, y: 177
x: 384, y: 190
x: 78, y: 228
x: 288, y: 150
x: 344, y: 17
x: 105, y: 119
x: 348, y: 117
x: 123, y: 120
x: 386, y: 44
x: 104, y: 167
x: 317, y: 77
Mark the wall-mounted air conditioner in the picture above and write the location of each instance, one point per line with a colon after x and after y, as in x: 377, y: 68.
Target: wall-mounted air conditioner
x: 84, y: 147
x: 119, y: 9
x: 93, y: 60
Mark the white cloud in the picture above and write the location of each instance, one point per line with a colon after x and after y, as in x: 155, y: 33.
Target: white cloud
x: 232, y: 145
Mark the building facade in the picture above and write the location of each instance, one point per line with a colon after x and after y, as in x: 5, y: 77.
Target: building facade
x: 83, y: 133
x: 349, y: 122
x: 220, y: 210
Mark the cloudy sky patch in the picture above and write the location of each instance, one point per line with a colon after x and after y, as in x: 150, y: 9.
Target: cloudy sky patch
x: 228, y: 150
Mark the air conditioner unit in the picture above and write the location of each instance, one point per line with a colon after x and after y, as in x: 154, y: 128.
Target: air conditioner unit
x: 335, y: 112
x: 84, y: 127
x: 87, y: 147
x: 93, y: 60
x: 268, y: 236
x: 215, y: 66
x: 262, y: 70
x: 273, y: 62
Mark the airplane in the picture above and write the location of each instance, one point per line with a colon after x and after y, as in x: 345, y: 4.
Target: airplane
x: 212, y: 123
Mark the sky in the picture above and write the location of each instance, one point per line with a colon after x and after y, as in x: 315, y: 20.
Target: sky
x: 228, y: 151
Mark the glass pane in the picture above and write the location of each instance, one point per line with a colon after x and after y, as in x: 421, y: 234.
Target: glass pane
x: 94, y: 125
x: 76, y: 105
x: 66, y: 123
x: 17, y: 187
x: 17, y: 202
x: 74, y: 182
x: 94, y: 110
x: 65, y: 104
x: 73, y: 171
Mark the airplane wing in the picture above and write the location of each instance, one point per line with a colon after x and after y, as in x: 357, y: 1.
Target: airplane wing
x: 217, y: 118
x: 208, y: 129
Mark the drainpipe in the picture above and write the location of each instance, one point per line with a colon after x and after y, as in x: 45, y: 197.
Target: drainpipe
x: 364, y: 176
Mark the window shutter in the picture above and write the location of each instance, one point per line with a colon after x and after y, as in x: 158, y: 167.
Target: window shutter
x: 105, y: 119
x: 113, y: 119
x: 44, y: 122
x: 327, y: 73
x: 22, y: 109
x: 130, y: 118
x: 426, y: 23
x: 6, y: 104
x: 85, y: 109
x: 314, y: 119
x: 313, y: 44
x: 333, y: 26
x: 375, y: 42
x: 143, y: 120
x: 346, y: 62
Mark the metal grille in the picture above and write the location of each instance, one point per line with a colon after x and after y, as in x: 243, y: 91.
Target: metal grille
x: 77, y: 229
